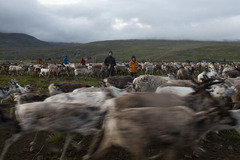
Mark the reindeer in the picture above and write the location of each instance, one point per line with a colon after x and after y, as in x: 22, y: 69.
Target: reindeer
x: 56, y: 88
x: 5, y: 92
x: 135, y: 129
x: 196, y: 100
x: 64, y: 118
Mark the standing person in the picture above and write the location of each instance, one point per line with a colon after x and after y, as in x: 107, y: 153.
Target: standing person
x: 110, y: 63
x: 83, y: 62
x: 66, y: 60
x: 133, y: 65
x: 39, y: 61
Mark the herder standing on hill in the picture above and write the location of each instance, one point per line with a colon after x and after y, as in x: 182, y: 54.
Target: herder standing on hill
x: 133, y: 65
x: 83, y: 62
x: 39, y: 61
x: 110, y: 63
x: 66, y: 60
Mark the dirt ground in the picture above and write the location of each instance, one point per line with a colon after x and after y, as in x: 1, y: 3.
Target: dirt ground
x: 222, y: 146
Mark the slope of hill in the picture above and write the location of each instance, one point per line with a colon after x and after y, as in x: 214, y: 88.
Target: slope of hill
x: 163, y: 50
x: 24, y: 40
x: 24, y: 47
x: 20, y: 40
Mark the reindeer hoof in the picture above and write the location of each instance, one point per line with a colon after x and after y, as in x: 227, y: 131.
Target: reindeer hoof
x: 31, y: 143
x: 31, y: 149
x: 86, y: 157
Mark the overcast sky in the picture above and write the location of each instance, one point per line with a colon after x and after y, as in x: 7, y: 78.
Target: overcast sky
x: 96, y: 20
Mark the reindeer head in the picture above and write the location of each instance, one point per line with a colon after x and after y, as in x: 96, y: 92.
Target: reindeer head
x: 28, y: 88
x: 221, y: 90
x: 214, y: 117
x: 130, y: 87
x: 205, y: 85
x: 15, y: 87
x: 101, y: 83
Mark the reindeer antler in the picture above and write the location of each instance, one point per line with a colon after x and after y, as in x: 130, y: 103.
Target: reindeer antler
x: 202, y: 86
x: 13, y: 81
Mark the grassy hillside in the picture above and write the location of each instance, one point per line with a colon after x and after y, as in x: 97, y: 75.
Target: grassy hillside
x: 24, y: 40
x: 158, y: 50
x: 154, y: 50
x: 20, y: 40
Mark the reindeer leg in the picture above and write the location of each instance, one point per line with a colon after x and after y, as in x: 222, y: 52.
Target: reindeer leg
x: 31, y: 144
x: 66, y: 144
x: 137, y: 151
x: 138, y: 156
x: 77, y: 145
x: 98, y: 150
x: 170, y: 153
x: 9, y: 142
x: 157, y: 156
x: 12, y: 110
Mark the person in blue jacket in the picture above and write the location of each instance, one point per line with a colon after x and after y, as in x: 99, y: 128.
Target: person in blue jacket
x: 66, y: 60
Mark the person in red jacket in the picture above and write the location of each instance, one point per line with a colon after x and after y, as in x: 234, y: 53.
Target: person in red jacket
x: 83, y: 62
x: 39, y: 61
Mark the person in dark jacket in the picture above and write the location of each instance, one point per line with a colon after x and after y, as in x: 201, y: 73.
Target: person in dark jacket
x: 110, y: 63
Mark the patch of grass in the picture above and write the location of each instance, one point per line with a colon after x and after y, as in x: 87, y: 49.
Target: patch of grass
x: 42, y: 83
x: 57, y: 139
x: 231, y: 135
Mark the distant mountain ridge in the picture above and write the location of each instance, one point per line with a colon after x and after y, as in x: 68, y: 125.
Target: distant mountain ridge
x: 24, y: 40
x: 17, y: 46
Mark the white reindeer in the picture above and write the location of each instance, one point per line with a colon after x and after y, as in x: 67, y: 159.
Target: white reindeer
x: 43, y: 72
x: 5, y: 92
x: 67, y: 119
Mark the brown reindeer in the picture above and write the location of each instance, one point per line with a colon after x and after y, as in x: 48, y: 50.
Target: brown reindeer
x: 170, y: 128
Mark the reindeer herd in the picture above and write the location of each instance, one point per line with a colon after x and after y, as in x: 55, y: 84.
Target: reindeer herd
x: 173, y: 69
x: 171, y: 112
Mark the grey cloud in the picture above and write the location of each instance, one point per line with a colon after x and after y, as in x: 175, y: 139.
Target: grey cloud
x: 95, y: 20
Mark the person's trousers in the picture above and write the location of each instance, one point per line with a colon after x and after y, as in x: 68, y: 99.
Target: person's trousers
x: 111, y: 72
x: 133, y: 74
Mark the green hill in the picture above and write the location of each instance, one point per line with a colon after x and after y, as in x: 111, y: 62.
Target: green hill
x: 164, y: 50
x: 24, y: 40
x: 20, y: 40
x: 24, y: 47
